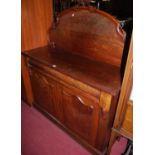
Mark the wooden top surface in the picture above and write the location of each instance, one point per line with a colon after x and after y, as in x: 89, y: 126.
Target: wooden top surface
x: 89, y: 32
x: 101, y: 76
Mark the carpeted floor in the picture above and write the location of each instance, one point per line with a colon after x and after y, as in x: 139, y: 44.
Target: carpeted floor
x: 41, y: 137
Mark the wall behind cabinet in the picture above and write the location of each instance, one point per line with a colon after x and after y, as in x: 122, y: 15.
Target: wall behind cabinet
x: 36, y: 18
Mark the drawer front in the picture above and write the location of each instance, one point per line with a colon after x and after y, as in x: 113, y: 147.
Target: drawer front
x: 81, y: 114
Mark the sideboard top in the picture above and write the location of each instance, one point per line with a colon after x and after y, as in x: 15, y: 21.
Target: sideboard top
x: 102, y: 76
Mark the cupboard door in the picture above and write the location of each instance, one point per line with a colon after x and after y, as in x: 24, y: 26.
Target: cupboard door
x: 47, y: 93
x: 41, y: 90
x: 81, y: 114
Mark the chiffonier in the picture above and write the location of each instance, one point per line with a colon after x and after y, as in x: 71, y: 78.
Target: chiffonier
x: 76, y: 78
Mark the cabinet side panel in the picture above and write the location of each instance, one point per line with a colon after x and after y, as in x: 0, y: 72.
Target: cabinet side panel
x: 108, y: 105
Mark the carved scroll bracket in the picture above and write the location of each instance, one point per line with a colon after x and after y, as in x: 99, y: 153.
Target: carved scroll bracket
x: 79, y: 100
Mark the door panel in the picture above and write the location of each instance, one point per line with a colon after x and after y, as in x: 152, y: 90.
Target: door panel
x: 80, y: 115
x: 47, y: 93
x: 41, y: 90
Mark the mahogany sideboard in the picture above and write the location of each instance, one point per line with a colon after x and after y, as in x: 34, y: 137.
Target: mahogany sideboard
x: 76, y: 79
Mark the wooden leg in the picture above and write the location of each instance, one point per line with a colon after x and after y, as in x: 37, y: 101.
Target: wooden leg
x: 114, y: 136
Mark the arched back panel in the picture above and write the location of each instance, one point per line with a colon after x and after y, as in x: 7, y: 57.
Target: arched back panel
x: 89, y: 32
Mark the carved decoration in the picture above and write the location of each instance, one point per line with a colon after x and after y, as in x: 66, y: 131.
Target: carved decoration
x: 80, y: 101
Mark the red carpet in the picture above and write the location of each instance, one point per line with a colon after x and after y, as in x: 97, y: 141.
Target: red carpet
x: 119, y: 147
x: 41, y: 137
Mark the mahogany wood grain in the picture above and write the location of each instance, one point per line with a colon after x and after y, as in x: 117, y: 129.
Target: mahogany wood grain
x: 109, y: 105
x: 81, y: 115
x: 89, y: 32
x: 64, y: 79
x: 101, y: 76
x: 35, y: 21
x: 41, y: 90
x: 36, y: 18
x: 44, y: 89
x: 127, y: 125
